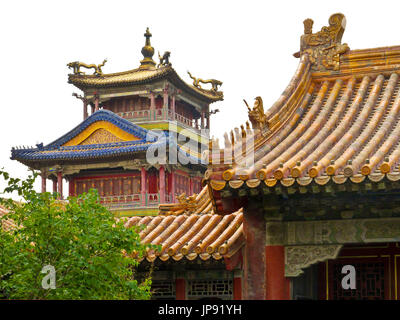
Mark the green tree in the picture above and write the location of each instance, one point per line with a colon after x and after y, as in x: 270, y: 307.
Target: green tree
x: 80, y: 238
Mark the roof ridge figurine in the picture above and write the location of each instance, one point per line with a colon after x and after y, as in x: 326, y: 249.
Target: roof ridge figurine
x: 164, y: 59
x: 324, y: 47
x: 76, y: 65
x: 214, y: 83
x: 256, y: 115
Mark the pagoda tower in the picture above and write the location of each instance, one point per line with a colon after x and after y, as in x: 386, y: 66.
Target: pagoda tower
x: 121, y: 112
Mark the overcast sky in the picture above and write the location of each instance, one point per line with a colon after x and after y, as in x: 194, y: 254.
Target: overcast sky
x: 248, y: 45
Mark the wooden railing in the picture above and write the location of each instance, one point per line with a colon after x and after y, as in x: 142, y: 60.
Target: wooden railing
x: 152, y: 198
x: 133, y: 200
x: 159, y: 114
x: 122, y: 201
x: 139, y: 114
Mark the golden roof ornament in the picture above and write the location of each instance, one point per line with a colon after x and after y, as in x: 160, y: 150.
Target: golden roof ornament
x: 214, y: 83
x: 324, y: 47
x: 257, y: 116
x: 187, y: 203
x: 164, y: 59
x: 76, y: 66
x: 148, y: 52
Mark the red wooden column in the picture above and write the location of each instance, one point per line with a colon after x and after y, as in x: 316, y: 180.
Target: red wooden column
x: 92, y: 108
x: 180, y: 287
x: 162, y: 184
x: 60, y: 184
x: 96, y: 102
x: 237, y: 285
x: 152, y: 106
x: 254, y: 272
x: 190, y: 185
x: 165, y: 102
x: 143, y: 185
x: 72, y: 187
x: 277, y: 285
x: 173, y: 186
x: 85, y: 109
x: 173, y: 106
x: 54, y: 185
x: 202, y: 120
x: 44, y: 179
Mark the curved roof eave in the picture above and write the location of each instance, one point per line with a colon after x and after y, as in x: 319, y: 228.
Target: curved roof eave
x: 133, y: 77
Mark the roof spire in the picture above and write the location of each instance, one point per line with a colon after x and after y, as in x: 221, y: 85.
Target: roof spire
x: 148, y: 52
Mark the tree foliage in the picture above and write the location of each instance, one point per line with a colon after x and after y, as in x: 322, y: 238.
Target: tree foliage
x: 79, y: 237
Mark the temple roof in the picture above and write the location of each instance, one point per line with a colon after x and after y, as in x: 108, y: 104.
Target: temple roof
x: 191, y: 229
x: 89, y: 140
x: 102, y: 135
x: 139, y: 77
x: 195, y: 231
x: 338, y: 119
x: 148, y: 72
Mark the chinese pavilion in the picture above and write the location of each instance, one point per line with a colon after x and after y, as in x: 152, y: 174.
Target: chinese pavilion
x: 107, y: 151
x: 304, y: 188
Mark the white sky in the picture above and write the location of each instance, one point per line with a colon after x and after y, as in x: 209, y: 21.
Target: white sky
x: 246, y: 44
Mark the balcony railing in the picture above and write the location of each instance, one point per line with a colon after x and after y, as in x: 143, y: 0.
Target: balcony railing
x: 139, y: 115
x: 168, y: 198
x: 122, y: 201
x: 159, y: 114
x: 133, y: 200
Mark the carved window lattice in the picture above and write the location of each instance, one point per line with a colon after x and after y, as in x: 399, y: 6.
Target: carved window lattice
x: 163, y: 290
x: 222, y: 289
x: 370, y: 282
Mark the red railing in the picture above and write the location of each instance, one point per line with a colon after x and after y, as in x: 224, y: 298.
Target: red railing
x: 133, y: 200
x: 152, y: 199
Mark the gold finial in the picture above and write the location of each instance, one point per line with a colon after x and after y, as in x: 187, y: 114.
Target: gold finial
x: 148, y: 52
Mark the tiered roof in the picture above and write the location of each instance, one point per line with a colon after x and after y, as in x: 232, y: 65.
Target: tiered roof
x: 140, y: 77
x: 103, y: 135
x: 191, y: 229
x: 338, y: 119
x: 148, y: 72
x: 130, y: 139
